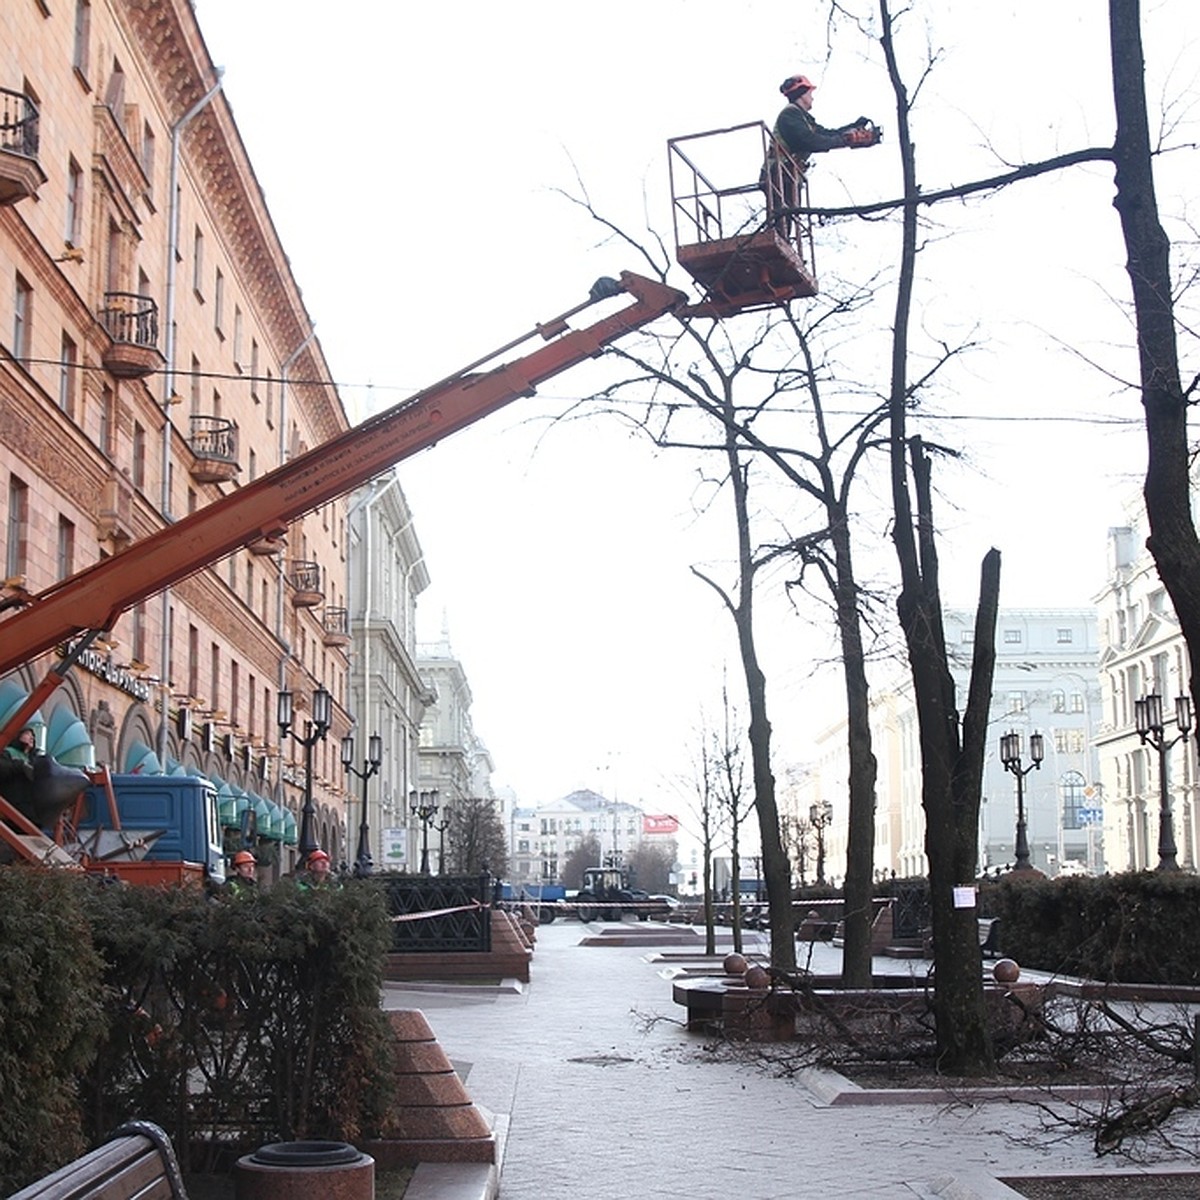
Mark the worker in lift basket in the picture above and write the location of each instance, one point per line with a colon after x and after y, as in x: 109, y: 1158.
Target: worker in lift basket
x: 798, y: 132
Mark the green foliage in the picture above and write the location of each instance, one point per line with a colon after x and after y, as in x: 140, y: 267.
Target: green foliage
x: 51, y: 1019
x: 1136, y: 927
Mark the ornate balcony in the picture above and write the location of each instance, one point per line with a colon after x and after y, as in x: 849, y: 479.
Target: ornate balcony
x: 20, y: 173
x: 131, y: 321
x: 335, y: 627
x: 305, y: 578
x: 214, y: 443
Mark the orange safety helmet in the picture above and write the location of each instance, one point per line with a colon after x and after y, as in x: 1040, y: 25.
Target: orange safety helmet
x: 318, y: 856
x: 244, y: 856
x: 795, y: 85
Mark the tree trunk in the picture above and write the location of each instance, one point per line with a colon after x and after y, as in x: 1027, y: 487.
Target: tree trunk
x: 860, y: 850
x: 1173, y: 542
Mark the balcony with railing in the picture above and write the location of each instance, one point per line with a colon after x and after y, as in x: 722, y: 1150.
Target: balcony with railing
x: 214, y: 444
x: 335, y: 626
x: 131, y: 321
x: 305, y: 580
x: 20, y: 173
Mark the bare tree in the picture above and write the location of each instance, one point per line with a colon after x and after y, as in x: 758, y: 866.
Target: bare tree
x: 1173, y: 542
x: 586, y: 854
x: 475, y: 838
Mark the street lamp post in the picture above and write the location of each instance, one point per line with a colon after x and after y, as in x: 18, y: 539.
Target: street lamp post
x: 1148, y: 715
x: 441, y: 826
x: 820, y: 816
x: 362, y: 860
x: 315, y: 729
x: 424, y: 806
x: 1010, y: 756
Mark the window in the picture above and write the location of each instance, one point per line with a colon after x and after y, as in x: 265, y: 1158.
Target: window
x: 237, y: 337
x: 967, y: 637
x: 112, y: 254
x: 1015, y: 702
x: 218, y: 302
x: 1065, y: 637
x: 22, y: 317
x: 114, y: 94
x: 193, y: 662
x: 68, y: 373
x: 250, y: 585
x: 139, y: 455
x: 198, y: 263
x: 83, y: 27
x: 1012, y: 637
x: 253, y: 466
x: 270, y: 397
x: 139, y: 632
x: 194, y: 390
x: 215, y: 675
x: 18, y: 528
x: 65, y: 560
x: 1058, y: 702
x: 1072, y: 799
x: 235, y: 687
x: 108, y: 422
x: 1077, y: 702
x: 148, y: 157
x: 74, y: 222
x: 254, y: 368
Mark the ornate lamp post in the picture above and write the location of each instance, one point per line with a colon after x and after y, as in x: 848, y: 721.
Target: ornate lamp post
x: 441, y: 826
x: 315, y: 729
x: 362, y: 860
x: 1148, y: 715
x: 424, y: 806
x: 1010, y: 756
x: 820, y: 816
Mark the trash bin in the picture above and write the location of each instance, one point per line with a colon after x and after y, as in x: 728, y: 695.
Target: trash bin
x: 305, y: 1171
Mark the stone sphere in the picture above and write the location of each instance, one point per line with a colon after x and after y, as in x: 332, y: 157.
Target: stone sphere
x: 1006, y: 970
x: 734, y: 964
x: 757, y: 977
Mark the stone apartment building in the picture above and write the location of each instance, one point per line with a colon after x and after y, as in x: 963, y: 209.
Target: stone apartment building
x: 155, y: 353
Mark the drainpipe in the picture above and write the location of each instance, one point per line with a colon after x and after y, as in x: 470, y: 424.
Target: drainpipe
x: 164, y: 649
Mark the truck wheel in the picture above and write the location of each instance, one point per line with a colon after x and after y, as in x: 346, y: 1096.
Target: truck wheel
x: 587, y: 914
x: 546, y: 915
x: 615, y: 915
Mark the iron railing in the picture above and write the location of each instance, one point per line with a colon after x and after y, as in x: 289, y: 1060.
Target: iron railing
x: 459, y: 914
x: 304, y: 576
x: 214, y: 438
x: 336, y: 622
x: 18, y: 123
x: 130, y: 318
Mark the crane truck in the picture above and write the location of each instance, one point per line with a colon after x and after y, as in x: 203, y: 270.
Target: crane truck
x: 740, y: 262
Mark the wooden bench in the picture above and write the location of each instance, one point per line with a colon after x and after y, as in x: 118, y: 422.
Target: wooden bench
x: 136, y: 1163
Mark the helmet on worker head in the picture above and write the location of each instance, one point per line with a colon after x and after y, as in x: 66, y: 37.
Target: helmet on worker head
x: 242, y: 857
x: 797, y: 85
x: 317, y: 856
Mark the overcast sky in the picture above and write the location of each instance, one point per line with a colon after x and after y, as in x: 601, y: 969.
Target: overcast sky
x: 420, y: 165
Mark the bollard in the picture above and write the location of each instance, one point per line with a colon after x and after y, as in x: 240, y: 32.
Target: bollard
x: 305, y: 1171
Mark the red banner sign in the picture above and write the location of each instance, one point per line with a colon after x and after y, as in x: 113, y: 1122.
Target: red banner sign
x: 661, y: 824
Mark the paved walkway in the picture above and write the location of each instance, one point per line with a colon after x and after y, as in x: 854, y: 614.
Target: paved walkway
x: 604, y: 1096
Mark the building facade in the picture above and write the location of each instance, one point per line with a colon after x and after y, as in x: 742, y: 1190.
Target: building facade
x: 388, y: 697
x: 157, y: 355
x: 1143, y: 653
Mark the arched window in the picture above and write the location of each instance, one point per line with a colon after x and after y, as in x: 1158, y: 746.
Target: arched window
x: 1072, y: 799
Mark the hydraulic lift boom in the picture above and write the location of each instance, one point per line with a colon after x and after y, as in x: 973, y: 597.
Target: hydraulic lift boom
x: 92, y: 599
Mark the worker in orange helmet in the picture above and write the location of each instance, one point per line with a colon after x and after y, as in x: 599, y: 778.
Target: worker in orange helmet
x: 316, y: 871
x: 245, y: 874
x: 797, y: 131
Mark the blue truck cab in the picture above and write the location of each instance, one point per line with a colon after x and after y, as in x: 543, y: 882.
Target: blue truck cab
x: 182, y: 807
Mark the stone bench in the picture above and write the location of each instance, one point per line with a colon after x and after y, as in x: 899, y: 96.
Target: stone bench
x: 136, y: 1163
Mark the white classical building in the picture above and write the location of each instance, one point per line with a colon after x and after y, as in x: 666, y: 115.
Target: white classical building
x: 1142, y: 653
x: 1046, y: 681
